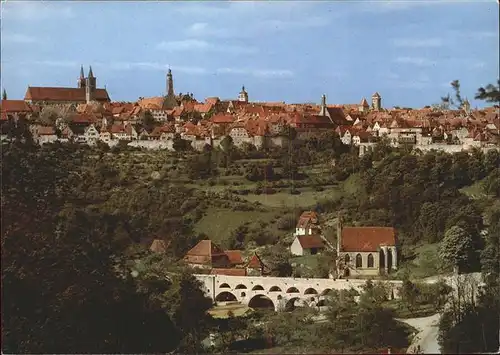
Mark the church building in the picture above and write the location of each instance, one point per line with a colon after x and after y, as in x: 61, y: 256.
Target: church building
x: 366, y: 251
x: 86, y: 92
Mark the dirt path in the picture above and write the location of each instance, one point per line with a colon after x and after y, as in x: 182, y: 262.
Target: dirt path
x: 427, y: 336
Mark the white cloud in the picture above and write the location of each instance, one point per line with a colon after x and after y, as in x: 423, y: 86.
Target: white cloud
x: 421, y: 62
x: 480, y: 35
x: 399, y: 5
x: 233, y: 28
x: 36, y: 10
x: 122, y: 66
x: 17, y: 38
x: 259, y: 73
x: 417, y: 43
x: 152, y: 66
x: 56, y: 63
x: 202, y: 45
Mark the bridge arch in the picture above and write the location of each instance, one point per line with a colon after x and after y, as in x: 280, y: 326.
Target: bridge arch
x: 225, y: 296
x: 275, y: 289
x: 326, y: 291
x: 258, y: 288
x: 262, y: 302
x: 224, y: 285
x: 290, y: 304
x: 310, y: 291
x: 293, y: 290
x: 323, y: 302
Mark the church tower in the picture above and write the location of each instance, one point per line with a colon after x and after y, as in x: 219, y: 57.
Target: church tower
x: 243, y: 96
x: 90, y: 86
x: 81, y: 80
x: 322, y: 111
x: 170, y: 84
x: 170, y: 101
x: 376, y: 102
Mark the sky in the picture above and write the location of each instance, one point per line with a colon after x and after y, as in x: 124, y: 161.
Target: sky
x: 292, y: 51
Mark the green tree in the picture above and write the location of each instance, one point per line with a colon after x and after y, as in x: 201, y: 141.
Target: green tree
x: 457, y: 248
x: 179, y: 144
x: 409, y: 294
x: 148, y: 121
x: 490, y: 93
x: 448, y: 102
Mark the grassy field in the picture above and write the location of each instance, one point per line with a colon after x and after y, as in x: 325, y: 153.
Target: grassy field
x: 237, y: 309
x: 474, y: 191
x: 424, y: 265
x: 308, y: 198
x: 219, y: 223
x: 311, y: 261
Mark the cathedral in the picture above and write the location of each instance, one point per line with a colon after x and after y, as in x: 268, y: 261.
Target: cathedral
x: 86, y: 92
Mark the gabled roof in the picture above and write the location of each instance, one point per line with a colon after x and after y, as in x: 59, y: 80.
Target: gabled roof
x: 205, y: 248
x: 13, y: 106
x: 311, y: 241
x: 63, y: 94
x: 255, y: 262
x: 366, y: 239
x: 159, y: 246
x: 222, y: 118
x: 235, y: 257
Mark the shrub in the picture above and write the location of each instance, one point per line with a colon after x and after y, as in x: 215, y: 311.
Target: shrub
x: 287, y: 222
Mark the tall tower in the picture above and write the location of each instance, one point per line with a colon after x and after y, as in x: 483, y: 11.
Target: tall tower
x: 81, y: 80
x: 466, y: 106
x: 322, y: 111
x: 90, y: 86
x: 376, y: 101
x: 243, y: 96
x: 170, y: 84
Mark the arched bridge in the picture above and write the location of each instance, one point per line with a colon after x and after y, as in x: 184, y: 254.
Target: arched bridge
x: 281, y: 293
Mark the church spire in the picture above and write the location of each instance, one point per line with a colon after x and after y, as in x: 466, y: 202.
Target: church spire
x: 82, y: 75
x: 91, y: 74
x: 170, y: 84
x: 4, y: 94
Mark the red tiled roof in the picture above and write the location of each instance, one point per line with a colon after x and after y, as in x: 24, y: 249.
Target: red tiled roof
x: 367, y: 238
x: 15, y: 106
x: 151, y: 102
x: 82, y: 118
x: 45, y: 131
x: 212, y: 100
x: 205, y: 248
x: 203, y: 108
x: 234, y: 256
x: 63, y: 94
x: 255, y: 262
x: 229, y: 272
x: 222, y: 118
x: 311, y: 241
x: 159, y: 246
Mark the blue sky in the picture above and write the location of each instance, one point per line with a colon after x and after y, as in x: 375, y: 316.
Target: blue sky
x: 281, y: 51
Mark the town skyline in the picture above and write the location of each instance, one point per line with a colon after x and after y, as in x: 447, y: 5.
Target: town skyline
x: 411, y: 67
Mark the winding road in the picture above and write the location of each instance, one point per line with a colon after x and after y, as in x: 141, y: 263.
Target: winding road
x: 427, y: 336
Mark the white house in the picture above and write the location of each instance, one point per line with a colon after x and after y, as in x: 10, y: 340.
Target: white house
x: 308, y: 224
x: 307, y: 245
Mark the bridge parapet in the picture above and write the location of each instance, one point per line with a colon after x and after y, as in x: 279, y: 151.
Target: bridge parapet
x: 246, y: 288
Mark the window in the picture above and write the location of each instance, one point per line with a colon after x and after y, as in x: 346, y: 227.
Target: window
x: 359, y: 261
x: 370, y: 260
x: 347, y: 259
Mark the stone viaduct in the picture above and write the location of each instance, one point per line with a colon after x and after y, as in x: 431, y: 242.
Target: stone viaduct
x: 281, y: 293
